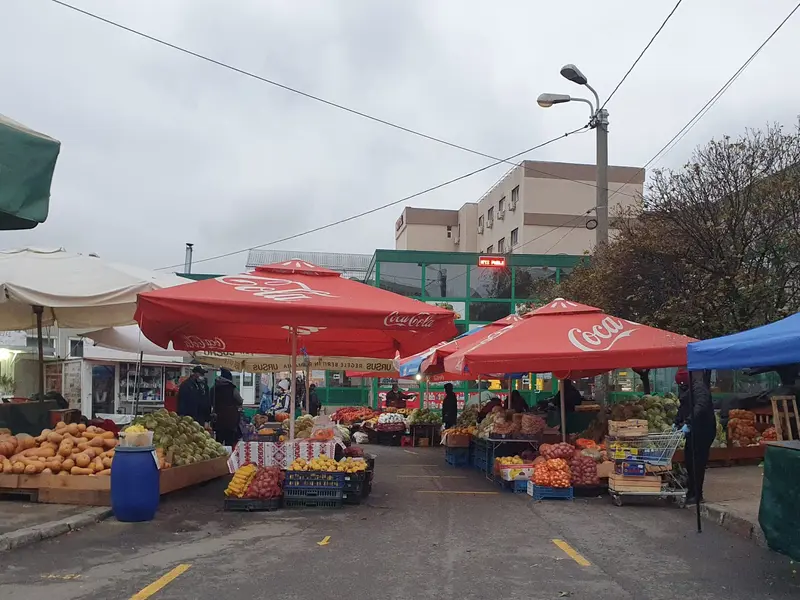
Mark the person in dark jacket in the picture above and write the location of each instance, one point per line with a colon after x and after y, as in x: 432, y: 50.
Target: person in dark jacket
x: 397, y: 398
x: 193, y: 397
x: 700, y: 427
x: 313, y: 400
x: 517, y: 403
x: 449, y: 407
x: 226, y: 403
x: 489, y: 407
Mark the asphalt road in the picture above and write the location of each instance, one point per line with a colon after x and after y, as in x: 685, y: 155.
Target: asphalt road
x: 414, y: 538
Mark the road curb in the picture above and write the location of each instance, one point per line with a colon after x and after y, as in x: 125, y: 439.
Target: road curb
x: 719, y: 515
x: 45, y: 531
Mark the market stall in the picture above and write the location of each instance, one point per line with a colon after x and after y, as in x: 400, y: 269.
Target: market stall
x: 773, y: 345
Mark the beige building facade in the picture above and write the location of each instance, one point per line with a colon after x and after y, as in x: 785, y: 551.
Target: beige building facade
x: 536, y: 208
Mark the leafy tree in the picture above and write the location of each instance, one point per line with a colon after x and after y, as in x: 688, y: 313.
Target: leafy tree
x: 714, y: 247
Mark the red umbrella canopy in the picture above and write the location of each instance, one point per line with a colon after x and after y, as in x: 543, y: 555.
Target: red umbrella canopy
x: 255, y: 312
x: 434, y: 364
x: 568, y: 338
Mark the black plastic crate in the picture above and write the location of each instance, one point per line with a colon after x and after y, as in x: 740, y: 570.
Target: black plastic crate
x: 355, y: 494
x: 353, y: 482
x: 312, y: 503
x: 370, y: 458
x: 312, y: 493
x: 252, y: 504
x: 313, y: 480
x: 367, y: 489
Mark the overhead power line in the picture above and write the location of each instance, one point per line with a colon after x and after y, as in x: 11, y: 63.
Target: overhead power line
x: 642, y: 53
x: 379, y: 208
x: 711, y: 102
x: 299, y: 92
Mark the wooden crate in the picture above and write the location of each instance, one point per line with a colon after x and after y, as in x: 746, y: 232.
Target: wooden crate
x: 86, y: 490
x: 646, y: 484
x: 627, y: 429
x: 727, y: 456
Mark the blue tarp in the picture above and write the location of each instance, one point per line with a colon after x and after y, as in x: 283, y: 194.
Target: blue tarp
x: 409, y: 367
x: 766, y: 346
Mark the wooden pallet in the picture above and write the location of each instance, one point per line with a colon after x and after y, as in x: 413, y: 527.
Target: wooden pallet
x: 627, y: 429
x: 646, y: 484
x: 86, y: 490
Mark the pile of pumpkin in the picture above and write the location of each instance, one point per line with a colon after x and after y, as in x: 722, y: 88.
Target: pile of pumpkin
x: 67, y: 450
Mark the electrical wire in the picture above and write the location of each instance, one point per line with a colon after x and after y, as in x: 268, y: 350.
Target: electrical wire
x: 642, y: 53
x: 379, y: 208
x: 299, y: 92
x: 710, y: 104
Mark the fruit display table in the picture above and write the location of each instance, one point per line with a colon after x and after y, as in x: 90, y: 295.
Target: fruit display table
x: 278, y: 454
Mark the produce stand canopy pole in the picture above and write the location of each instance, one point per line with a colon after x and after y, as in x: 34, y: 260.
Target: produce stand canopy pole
x: 293, y: 388
x: 308, y: 387
x: 38, y: 310
x: 694, y: 449
x: 563, y: 412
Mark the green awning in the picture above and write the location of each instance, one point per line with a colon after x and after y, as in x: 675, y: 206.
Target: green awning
x: 27, y: 162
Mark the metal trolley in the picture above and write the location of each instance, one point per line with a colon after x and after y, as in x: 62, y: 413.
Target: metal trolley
x: 648, y: 455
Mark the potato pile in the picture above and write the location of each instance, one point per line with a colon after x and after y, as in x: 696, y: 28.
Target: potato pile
x: 68, y: 450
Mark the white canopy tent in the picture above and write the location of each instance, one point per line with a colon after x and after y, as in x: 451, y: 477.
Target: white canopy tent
x: 56, y: 287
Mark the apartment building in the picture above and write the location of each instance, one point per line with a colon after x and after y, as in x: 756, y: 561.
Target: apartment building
x: 536, y: 208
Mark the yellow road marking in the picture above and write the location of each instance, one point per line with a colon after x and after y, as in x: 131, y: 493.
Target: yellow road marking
x: 455, y: 492
x: 572, y: 553
x: 160, y: 583
x: 431, y: 477
x: 66, y: 577
x: 325, y: 541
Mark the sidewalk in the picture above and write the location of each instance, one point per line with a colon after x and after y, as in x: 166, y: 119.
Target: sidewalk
x: 23, y: 523
x: 733, y: 495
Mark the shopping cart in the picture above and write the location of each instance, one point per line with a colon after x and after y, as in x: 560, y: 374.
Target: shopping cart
x: 646, y: 467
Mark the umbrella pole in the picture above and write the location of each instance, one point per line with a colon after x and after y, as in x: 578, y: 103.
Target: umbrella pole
x: 563, y: 412
x: 308, y: 386
x: 137, y: 390
x: 293, y: 388
x: 694, y: 451
x: 38, y: 310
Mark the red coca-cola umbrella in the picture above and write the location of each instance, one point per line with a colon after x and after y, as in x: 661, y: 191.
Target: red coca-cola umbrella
x: 276, y: 308
x: 570, y: 339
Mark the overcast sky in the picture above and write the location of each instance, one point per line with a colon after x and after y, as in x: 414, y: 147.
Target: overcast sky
x: 160, y: 148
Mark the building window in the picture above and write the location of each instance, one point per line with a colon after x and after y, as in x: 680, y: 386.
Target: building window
x: 489, y: 249
x: 480, y: 222
x: 490, y: 214
x: 501, y: 245
x: 501, y: 206
x: 532, y: 282
x: 515, y: 195
x: 449, y: 232
x: 76, y: 347
x: 401, y: 278
x: 48, y: 343
x: 514, y: 236
x: 488, y: 311
x: 446, y: 281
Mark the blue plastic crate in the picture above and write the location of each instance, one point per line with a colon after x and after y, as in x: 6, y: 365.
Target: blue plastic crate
x: 313, y: 480
x: 457, y: 457
x: 519, y: 486
x: 313, y: 494
x: 541, y: 492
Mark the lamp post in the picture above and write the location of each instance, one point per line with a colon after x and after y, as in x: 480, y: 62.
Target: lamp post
x: 598, y: 120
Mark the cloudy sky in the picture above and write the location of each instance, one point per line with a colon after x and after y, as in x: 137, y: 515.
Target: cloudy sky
x: 160, y: 148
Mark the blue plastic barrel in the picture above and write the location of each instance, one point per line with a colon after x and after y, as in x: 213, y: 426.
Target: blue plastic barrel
x: 134, y: 484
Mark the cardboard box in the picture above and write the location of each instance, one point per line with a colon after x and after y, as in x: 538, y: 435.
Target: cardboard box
x: 605, y: 469
x: 630, y: 468
x: 505, y: 472
x: 647, y: 484
x: 627, y: 429
x: 457, y: 440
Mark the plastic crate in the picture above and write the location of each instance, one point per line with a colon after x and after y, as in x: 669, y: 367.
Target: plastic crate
x: 370, y: 458
x: 308, y: 493
x: 313, y: 480
x: 354, y: 481
x: 312, y: 503
x: 539, y: 492
x: 355, y: 494
x: 367, y: 489
x: 457, y: 457
x: 518, y: 486
x: 252, y: 504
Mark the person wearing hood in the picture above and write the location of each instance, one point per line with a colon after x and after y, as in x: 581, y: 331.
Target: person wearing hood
x: 700, y: 427
x: 226, y: 403
x: 193, y: 397
x: 449, y: 407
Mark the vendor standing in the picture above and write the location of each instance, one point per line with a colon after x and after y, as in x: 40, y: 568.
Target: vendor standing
x: 226, y: 402
x: 396, y: 398
x: 699, y: 426
x: 193, y: 397
x: 449, y: 407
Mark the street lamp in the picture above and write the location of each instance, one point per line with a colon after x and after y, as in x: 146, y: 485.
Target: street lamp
x: 598, y: 121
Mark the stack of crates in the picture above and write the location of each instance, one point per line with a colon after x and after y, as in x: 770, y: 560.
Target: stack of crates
x: 313, y: 489
x: 457, y: 457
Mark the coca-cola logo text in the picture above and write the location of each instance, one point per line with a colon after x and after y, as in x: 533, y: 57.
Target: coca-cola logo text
x: 195, y: 342
x: 601, y: 337
x: 419, y: 321
x: 273, y: 288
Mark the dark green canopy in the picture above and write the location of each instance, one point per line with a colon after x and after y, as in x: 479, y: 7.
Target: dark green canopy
x: 27, y: 162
